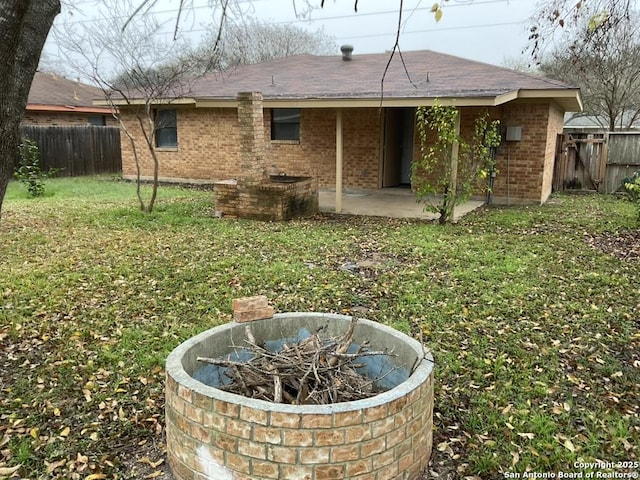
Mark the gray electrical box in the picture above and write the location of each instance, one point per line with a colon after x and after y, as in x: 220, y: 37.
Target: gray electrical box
x: 514, y: 134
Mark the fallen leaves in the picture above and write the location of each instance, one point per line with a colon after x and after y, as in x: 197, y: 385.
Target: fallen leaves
x: 51, y: 467
x: 9, y: 471
x: 535, y: 333
x: 568, y: 444
x: 623, y: 245
x: 152, y: 464
x: 559, y: 409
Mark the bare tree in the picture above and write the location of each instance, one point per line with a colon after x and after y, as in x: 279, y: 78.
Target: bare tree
x: 128, y: 56
x: 24, y: 26
x: 254, y: 41
x: 606, y: 66
x: 567, y: 16
x: 551, y: 17
x: 520, y: 64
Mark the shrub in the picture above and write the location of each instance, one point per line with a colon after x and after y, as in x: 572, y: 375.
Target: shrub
x: 29, y: 172
x: 440, y: 180
x: 632, y: 187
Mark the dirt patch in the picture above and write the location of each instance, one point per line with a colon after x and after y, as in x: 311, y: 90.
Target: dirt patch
x: 622, y: 245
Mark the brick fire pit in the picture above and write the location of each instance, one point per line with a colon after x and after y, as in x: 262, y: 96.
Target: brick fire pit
x: 255, y: 194
x: 213, y: 434
x: 271, y: 199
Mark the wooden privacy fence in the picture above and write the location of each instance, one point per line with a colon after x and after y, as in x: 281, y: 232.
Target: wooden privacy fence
x: 77, y: 150
x: 595, y: 161
x: 623, y: 158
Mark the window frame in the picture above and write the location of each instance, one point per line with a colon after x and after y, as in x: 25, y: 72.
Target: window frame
x: 166, y: 136
x: 97, y: 120
x: 285, y: 125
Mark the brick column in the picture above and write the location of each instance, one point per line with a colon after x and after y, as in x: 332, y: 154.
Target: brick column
x: 252, y: 147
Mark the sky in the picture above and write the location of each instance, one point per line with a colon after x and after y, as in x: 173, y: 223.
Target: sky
x: 490, y: 31
x: 483, y: 30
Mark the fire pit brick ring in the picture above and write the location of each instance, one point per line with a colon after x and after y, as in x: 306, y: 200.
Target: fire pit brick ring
x: 217, y: 435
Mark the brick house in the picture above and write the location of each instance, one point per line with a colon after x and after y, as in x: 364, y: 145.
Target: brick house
x: 55, y: 100
x: 336, y: 119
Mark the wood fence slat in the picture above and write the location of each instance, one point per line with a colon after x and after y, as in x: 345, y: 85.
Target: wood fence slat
x: 598, y: 160
x: 624, y: 148
x: 580, y: 166
x: 602, y: 171
x: 77, y: 149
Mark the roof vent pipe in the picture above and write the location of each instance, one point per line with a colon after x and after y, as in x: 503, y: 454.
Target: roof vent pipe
x: 346, y: 50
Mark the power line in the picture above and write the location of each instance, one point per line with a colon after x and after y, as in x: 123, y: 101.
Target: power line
x: 459, y: 3
x: 376, y: 35
x: 194, y: 31
x: 411, y: 32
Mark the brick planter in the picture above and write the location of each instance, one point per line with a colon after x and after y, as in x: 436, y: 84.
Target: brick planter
x: 268, y: 200
x: 212, y: 434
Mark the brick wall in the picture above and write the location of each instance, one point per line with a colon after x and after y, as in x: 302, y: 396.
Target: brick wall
x: 468, y: 116
x: 209, y: 148
x: 267, y: 201
x: 209, y: 438
x: 253, y: 166
x: 524, y: 166
x: 362, y: 133
x: 315, y: 154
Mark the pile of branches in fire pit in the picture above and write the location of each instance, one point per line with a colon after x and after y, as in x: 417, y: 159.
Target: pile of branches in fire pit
x: 313, y: 371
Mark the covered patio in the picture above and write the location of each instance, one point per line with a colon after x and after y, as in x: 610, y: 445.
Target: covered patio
x: 387, y: 202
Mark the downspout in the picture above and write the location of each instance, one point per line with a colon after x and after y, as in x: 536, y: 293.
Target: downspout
x: 508, y: 175
x: 492, y: 176
x: 339, y: 160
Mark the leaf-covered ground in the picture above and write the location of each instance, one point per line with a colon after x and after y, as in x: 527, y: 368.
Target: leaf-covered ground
x: 532, y: 314
x: 624, y: 245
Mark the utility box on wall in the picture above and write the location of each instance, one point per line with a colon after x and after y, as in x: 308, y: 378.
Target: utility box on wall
x: 514, y: 134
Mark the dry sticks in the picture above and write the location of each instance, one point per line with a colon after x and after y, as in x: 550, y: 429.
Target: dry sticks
x: 314, y: 371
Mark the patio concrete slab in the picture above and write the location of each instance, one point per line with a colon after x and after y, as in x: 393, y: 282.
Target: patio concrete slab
x: 388, y: 202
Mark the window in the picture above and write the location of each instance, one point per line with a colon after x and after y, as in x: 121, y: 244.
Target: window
x: 166, y: 128
x: 285, y: 124
x: 97, y: 120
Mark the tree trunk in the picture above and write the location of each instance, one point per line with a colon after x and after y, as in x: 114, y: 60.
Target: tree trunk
x: 24, y: 26
x: 451, y: 192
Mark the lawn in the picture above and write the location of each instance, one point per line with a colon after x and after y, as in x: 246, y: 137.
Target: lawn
x: 534, y: 327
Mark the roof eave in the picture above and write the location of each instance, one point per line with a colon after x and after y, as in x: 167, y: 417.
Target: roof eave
x: 567, y: 98
x: 36, y: 107
x: 121, y: 102
x: 365, y: 102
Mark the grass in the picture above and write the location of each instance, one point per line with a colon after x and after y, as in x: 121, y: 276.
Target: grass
x: 535, y: 333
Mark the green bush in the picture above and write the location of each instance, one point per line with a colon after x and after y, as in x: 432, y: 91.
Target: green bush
x: 437, y: 181
x: 631, y: 185
x: 29, y: 172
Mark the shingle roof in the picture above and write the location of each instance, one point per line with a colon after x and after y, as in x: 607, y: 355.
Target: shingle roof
x: 49, y: 91
x: 428, y: 75
x: 599, y: 122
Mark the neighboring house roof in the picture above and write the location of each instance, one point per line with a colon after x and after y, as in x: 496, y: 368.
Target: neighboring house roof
x: 579, y: 121
x: 53, y: 93
x: 416, y: 77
